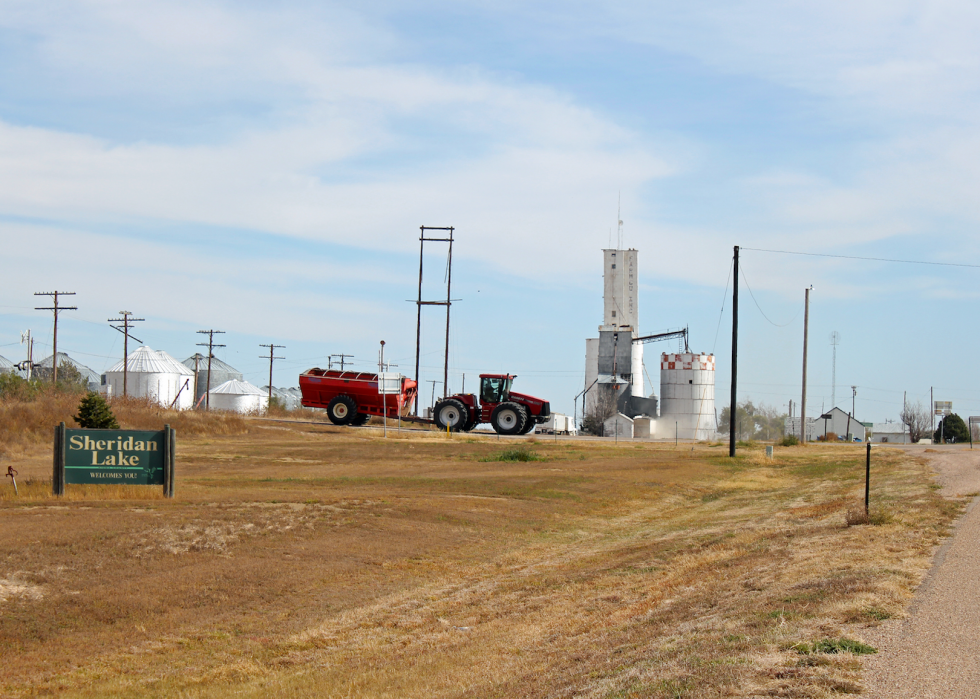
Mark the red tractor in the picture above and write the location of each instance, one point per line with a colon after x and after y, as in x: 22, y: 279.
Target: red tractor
x: 506, y: 411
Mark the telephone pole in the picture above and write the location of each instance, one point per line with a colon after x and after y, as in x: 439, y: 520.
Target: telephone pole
x: 733, y: 411
x: 210, y: 345
x: 57, y: 309
x: 342, y: 357
x: 806, y: 329
x: 272, y: 352
x: 125, y: 320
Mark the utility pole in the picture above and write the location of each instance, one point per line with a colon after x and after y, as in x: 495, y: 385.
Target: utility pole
x: 342, y: 357
x: 733, y: 409
x: 932, y: 410
x: 834, y: 340
x: 125, y: 320
x: 433, y: 382
x: 854, y: 392
x: 447, y: 303
x: 57, y: 309
x: 210, y: 345
x: 272, y: 351
x: 26, y: 337
x: 806, y: 329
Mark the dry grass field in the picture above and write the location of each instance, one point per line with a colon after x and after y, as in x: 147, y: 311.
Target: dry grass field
x: 308, y: 560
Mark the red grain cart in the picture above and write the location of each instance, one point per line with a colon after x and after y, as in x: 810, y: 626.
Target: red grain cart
x: 351, y: 397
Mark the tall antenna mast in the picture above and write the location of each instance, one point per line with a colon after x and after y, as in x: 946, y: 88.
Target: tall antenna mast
x: 834, y: 340
x: 619, y: 218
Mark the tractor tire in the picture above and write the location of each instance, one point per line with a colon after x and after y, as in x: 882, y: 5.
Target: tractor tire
x: 529, y: 424
x: 508, y: 418
x: 360, y: 419
x: 451, y: 414
x: 472, y: 422
x: 341, y: 410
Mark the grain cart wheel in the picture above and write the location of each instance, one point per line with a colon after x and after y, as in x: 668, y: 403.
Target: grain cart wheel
x: 508, y: 418
x: 360, y: 419
x: 341, y: 410
x: 451, y: 413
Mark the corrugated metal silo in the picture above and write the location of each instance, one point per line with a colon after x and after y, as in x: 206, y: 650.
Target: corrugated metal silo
x: 687, y: 395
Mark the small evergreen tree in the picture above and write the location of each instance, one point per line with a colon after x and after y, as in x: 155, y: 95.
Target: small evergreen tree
x: 94, y: 413
x: 952, y: 429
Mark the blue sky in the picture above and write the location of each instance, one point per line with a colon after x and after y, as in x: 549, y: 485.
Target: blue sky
x: 264, y: 170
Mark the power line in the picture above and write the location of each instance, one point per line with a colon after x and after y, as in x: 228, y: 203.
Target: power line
x: 867, y: 259
x: 721, y: 313
x: 745, y: 279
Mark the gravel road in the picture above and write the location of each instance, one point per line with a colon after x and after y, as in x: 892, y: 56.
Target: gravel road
x: 935, y: 652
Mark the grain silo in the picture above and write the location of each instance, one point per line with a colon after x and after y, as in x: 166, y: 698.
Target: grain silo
x: 239, y: 396
x: 91, y: 379
x: 7, y: 366
x: 687, y: 396
x: 221, y: 372
x: 154, y: 375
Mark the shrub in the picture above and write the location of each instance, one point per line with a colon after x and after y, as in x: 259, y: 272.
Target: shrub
x: 515, y: 454
x: 835, y: 645
x: 790, y: 440
x: 94, y: 413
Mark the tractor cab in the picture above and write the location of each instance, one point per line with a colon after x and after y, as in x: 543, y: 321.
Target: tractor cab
x: 495, y: 388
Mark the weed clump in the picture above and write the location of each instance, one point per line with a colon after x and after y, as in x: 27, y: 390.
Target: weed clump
x: 790, y: 440
x: 515, y: 454
x: 876, y: 517
x: 835, y: 645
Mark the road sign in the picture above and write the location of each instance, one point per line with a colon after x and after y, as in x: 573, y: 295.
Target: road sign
x: 130, y: 457
x: 943, y: 407
x: 389, y: 383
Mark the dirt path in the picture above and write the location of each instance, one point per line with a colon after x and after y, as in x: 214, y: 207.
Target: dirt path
x: 933, y: 653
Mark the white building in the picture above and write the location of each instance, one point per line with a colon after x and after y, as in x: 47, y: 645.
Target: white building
x: 838, y: 422
x: 152, y: 374
x: 890, y: 432
x: 239, y: 396
x: 792, y: 426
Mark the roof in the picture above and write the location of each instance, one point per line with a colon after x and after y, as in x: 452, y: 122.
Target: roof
x: 64, y: 359
x: 145, y: 360
x: 238, y: 388
x: 888, y: 428
x: 216, y: 365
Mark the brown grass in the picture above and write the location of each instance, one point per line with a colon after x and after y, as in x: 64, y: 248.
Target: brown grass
x: 309, y: 560
x: 28, y: 422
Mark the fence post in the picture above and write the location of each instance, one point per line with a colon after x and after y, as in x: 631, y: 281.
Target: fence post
x: 58, y: 474
x: 173, y: 462
x: 867, y: 480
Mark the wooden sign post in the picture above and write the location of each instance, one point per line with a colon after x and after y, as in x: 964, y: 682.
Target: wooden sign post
x: 135, y: 457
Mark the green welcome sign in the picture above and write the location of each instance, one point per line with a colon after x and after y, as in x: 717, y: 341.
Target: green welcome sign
x: 132, y: 457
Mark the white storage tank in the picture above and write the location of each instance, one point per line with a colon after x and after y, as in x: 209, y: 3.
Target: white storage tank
x: 687, y: 395
x: 240, y: 397
x: 154, y: 375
